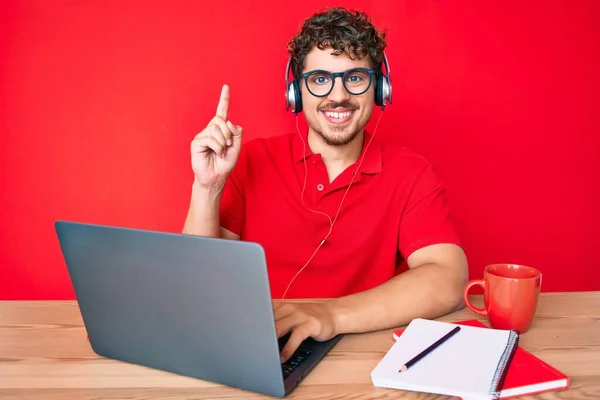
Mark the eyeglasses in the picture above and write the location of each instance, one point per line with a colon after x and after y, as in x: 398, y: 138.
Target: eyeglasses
x: 356, y: 81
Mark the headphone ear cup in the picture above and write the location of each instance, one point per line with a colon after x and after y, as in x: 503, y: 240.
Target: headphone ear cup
x: 379, y: 89
x: 297, y: 106
x: 294, y: 99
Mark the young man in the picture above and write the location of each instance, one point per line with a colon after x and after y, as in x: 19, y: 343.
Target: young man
x: 335, y: 209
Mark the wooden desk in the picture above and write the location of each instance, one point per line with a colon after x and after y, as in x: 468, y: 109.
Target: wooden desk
x: 44, y: 354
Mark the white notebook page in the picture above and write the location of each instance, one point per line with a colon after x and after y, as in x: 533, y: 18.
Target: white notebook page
x: 464, y: 365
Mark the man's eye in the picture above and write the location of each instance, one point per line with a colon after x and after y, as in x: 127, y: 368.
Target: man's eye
x: 355, y: 78
x: 320, y: 80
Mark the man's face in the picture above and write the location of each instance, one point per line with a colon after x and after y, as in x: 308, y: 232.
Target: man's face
x: 340, y: 116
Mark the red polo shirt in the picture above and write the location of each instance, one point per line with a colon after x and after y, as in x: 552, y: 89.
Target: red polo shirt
x: 395, y: 206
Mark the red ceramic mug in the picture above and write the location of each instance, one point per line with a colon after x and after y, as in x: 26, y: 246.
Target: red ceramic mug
x: 510, y: 294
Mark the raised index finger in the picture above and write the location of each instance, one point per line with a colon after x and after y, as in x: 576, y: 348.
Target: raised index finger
x: 223, y: 103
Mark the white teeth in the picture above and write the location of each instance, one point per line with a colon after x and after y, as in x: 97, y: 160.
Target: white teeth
x: 338, y: 115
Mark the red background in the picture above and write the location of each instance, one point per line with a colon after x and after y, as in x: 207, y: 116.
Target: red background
x: 99, y: 101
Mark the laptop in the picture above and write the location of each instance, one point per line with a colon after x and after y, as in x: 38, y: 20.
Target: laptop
x: 191, y: 305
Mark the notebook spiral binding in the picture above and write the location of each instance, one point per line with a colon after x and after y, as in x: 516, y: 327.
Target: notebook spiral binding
x: 502, y: 367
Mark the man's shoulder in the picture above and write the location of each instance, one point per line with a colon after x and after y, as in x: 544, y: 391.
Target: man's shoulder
x: 400, y: 157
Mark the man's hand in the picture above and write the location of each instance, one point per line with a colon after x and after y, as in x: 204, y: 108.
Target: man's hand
x: 215, y: 150
x: 304, y: 320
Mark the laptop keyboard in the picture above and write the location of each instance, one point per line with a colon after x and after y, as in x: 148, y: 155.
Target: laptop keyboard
x: 301, y: 354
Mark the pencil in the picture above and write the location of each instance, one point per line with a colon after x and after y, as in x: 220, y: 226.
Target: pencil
x: 428, y: 350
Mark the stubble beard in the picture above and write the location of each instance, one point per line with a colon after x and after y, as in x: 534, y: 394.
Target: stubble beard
x: 337, y: 140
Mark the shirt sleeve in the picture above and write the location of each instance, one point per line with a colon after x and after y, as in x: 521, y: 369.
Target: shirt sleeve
x: 233, y: 202
x: 426, y: 218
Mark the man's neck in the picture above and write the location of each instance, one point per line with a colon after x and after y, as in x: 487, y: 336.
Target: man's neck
x: 336, y: 158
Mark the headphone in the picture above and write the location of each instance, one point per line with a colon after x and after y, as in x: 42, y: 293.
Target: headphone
x: 383, y: 88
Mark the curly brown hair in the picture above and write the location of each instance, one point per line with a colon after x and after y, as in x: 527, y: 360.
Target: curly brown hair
x: 345, y: 31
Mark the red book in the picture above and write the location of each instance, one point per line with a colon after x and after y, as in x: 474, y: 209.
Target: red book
x: 526, y: 375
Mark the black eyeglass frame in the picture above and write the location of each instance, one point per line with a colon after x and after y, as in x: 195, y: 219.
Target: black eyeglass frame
x: 371, y: 72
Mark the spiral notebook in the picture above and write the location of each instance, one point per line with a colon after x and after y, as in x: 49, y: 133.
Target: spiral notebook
x: 472, y: 364
x: 526, y: 375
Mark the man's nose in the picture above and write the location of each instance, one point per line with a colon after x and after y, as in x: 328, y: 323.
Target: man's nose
x: 339, y: 92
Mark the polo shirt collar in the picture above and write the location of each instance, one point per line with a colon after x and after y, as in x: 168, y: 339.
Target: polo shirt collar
x: 370, y: 165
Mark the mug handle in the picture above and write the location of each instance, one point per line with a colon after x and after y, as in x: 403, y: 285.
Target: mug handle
x: 470, y: 284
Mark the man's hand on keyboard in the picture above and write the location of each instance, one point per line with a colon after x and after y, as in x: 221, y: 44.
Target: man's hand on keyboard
x: 303, y: 320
